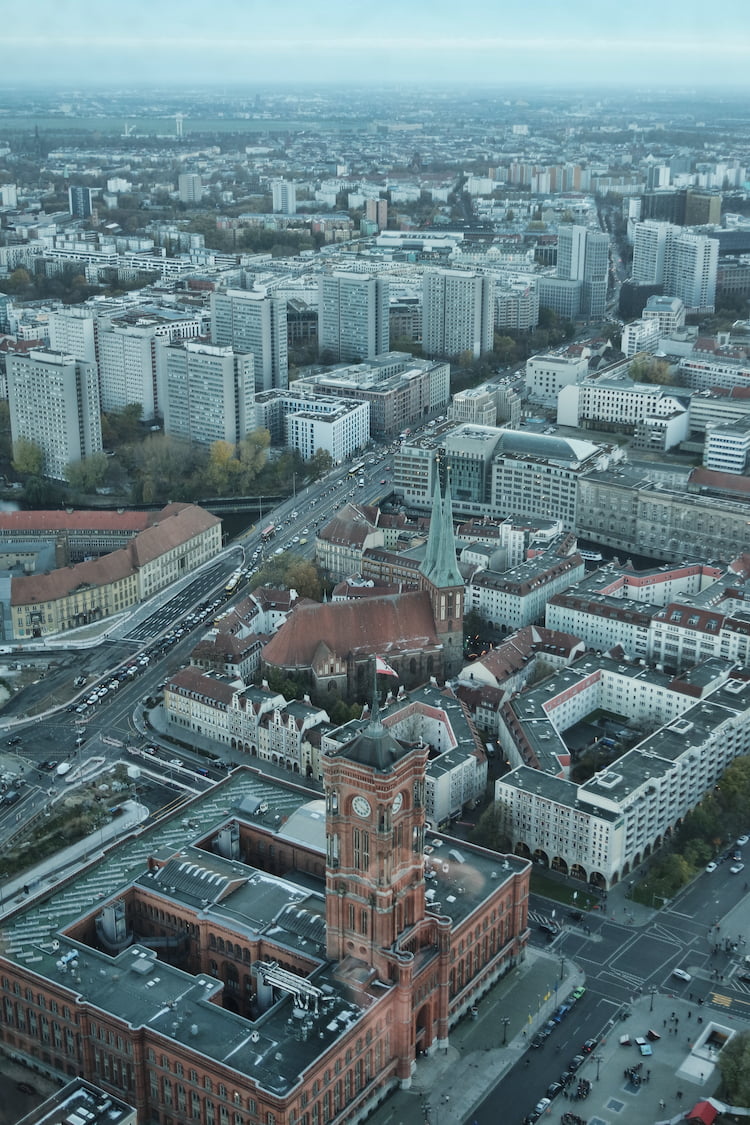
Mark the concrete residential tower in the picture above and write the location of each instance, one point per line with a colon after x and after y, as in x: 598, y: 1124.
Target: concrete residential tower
x: 352, y: 316
x: 253, y: 322
x: 458, y: 313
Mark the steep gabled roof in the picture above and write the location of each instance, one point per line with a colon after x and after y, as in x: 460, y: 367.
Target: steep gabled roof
x: 392, y: 624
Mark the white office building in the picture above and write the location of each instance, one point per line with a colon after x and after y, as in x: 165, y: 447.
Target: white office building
x: 307, y: 421
x: 458, y: 314
x: 209, y: 392
x: 640, y: 336
x: 72, y: 330
x: 353, y: 319
x: 190, y: 187
x: 684, y: 263
x: 284, y: 197
x: 727, y: 446
x: 54, y: 402
x: 546, y: 375
x: 253, y: 322
x: 583, y: 255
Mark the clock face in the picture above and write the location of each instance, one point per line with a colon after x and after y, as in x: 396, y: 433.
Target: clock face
x: 398, y: 801
x: 361, y: 806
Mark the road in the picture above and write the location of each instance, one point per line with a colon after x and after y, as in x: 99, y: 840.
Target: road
x: 143, y: 651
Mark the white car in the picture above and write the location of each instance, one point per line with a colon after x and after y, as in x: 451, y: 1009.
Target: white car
x: 741, y: 841
x: 680, y: 974
x: 736, y: 868
x: 711, y: 866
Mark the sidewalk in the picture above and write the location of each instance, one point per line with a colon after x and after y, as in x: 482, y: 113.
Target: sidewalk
x: 457, y: 1079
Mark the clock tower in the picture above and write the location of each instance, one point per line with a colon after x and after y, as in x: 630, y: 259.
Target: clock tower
x: 375, y: 823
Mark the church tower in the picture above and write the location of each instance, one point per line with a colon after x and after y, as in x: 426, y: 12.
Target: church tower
x: 442, y: 579
x: 375, y: 824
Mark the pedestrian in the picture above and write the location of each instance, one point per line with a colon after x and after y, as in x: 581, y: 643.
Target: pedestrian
x: 648, y: 1074
x: 662, y: 1103
x: 690, y: 997
x: 690, y: 1015
x: 665, y: 1023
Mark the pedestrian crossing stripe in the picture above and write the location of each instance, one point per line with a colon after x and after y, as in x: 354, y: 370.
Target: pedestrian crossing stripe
x: 719, y: 998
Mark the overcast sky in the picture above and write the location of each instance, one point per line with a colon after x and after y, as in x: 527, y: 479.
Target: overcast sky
x: 550, y: 42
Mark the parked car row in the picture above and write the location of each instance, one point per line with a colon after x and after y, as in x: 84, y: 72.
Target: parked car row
x: 558, y: 1016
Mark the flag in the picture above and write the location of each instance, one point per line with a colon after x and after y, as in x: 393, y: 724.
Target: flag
x: 383, y: 668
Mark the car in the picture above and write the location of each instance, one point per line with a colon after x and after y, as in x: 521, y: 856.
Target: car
x: 680, y: 974
x: 589, y: 1046
x: 539, y: 1040
x: 25, y: 1088
x: 745, y: 978
x: 542, y: 1106
x: 15, y: 741
x: 577, y: 993
x: 49, y: 764
x: 575, y: 915
x: 560, y: 1013
x: 736, y: 868
x: 741, y: 841
x: 711, y: 867
x: 176, y: 762
x: 575, y: 1063
x: 554, y: 1089
x: 737, y: 855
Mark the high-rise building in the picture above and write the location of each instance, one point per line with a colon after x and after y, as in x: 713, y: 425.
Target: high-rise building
x: 458, y: 313
x: 254, y: 322
x: 209, y: 392
x: 284, y: 197
x: 54, y: 402
x: 583, y: 255
x: 127, y: 350
x: 79, y: 201
x: 190, y: 187
x: 376, y: 211
x: 72, y: 330
x: 695, y: 261
x: 683, y: 263
x: 352, y: 316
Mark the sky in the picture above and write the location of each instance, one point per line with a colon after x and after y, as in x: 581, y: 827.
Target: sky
x: 208, y: 42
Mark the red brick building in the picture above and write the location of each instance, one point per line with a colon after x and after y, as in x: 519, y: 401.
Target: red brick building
x: 263, y: 955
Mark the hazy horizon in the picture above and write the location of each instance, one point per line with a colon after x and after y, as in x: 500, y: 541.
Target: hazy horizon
x: 174, y: 43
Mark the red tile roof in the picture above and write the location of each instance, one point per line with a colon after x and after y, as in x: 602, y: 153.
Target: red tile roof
x: 393, y: 624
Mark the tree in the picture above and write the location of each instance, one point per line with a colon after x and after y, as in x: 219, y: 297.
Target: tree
x: 120, y: 427
x: 734, y: 1064
x: 648, y: 369
x: 489, y: 833
x: 320, y: 463
x: 87, y: 474
x: 223, y: 468
x: 28, y: 458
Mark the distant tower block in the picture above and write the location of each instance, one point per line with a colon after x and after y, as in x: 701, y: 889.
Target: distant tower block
x: 178, y: 119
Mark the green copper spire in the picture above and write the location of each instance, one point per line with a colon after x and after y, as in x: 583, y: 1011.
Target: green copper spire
x: 440, y: 565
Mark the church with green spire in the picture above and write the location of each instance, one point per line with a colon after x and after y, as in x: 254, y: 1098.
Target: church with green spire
x: 442, y: 580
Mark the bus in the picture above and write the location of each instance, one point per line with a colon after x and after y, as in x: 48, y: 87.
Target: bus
x: 357, y: 469
x: 267, y: 533
x: 233, y: 582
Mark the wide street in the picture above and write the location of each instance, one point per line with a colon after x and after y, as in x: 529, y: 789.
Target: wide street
x: 140, y: 652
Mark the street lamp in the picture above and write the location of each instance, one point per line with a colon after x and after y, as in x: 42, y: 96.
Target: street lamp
x: 653, y: 993
x: 597, y: 1060
x: 562, y: 966
x: 505, y: 1020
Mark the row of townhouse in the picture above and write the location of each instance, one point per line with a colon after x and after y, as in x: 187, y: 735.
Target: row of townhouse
x: 252, y: 720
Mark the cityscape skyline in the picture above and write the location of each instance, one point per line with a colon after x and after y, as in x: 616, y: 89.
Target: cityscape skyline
x: 339, y: 42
